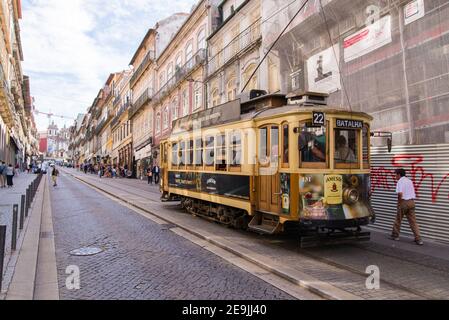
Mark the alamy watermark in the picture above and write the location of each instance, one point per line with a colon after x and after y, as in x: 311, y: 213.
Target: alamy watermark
x: 373, y: 280
x: 73, y: 282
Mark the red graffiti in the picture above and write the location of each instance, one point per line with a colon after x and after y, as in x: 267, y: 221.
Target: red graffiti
x: 383, y: 178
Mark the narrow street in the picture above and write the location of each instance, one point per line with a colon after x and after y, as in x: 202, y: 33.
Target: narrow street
x: 140, y: 259
x: 407, y: 271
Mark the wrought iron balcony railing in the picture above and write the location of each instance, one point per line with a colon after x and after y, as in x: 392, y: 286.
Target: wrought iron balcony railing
x: 244, y: 40
x: 122, y: 109
x: 117, y: 100
x: 149, y: 57
x: 141, y: 101
x: 181, y: 73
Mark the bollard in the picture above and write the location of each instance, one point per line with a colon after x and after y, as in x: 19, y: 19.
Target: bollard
x: 22, y: 211
x: 2, y: 252
x: 28, y: 198
x: 15, y: 213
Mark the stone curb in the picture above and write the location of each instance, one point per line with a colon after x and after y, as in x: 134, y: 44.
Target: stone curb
x: 24, y: 278
x: 312, y: 284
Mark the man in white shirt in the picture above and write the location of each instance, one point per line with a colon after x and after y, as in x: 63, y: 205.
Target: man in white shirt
x: 406, y: 206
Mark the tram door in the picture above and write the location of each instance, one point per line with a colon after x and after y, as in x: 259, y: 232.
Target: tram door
x: 269, y: 194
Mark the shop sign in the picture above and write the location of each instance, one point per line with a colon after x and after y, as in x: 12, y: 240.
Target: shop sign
x: 368, y: 39
x: 323, y: 73
x: 413, y: 11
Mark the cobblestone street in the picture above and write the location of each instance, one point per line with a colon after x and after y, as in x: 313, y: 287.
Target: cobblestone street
x: 407, y: 271
x: 141, y: 259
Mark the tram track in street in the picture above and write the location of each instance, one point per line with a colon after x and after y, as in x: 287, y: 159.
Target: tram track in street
x: 364, y: 275
x: 357, y: 272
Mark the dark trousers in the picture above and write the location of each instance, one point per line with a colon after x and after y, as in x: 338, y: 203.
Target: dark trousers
x: 150, y: 180
x: 9, y: 180
x: 407, y: 209
x: 156, y: 178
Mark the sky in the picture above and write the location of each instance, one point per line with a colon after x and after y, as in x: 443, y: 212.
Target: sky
x: 71, y: 46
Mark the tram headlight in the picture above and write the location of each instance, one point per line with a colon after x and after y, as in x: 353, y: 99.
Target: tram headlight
x: 350, y: 196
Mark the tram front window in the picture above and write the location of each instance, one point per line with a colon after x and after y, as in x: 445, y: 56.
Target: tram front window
x: 312, y: 143
x: 346, y: 146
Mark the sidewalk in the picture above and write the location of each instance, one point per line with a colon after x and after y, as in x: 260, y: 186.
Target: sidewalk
x: 339, y: 272
x: 9, y: 197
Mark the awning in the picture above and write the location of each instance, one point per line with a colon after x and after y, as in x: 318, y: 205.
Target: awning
x: 143, y: 152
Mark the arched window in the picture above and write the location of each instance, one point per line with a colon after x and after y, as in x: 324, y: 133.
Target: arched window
x: 161, y: 79
x: 189, y: 51
x: 231, y: 88
x: 170, y: 71
x: 185, y: 102
x: 215, y: 97
x: 247, y: 74
x: 201, y: 39
x: 174, y: 106
x: 158, y: 122
x: 197, y: 96
x: 178, y: 62
x: 165, y: 118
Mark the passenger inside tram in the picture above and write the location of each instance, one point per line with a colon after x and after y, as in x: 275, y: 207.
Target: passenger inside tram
x: 343, y: 153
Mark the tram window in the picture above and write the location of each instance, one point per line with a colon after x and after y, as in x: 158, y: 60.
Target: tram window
x: 346, y: 146
x: 189, y: 153
x: 235, y: 149
x: 210, y: 152
x: 182, y: 152
x: 263, y: 142
x: 220, y: 162
x: 285, y: 144
x: 175, y: 156
x: 312, y: 143
x: 274, y: 140
x: 199, y: 152
x: 365, y: 145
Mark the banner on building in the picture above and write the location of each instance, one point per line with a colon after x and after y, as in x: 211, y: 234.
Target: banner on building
x: 322, y: 71
x: 368, y: 39
x: 413, y: 11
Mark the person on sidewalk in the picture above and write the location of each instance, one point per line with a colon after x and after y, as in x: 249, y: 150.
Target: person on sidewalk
x: 9, y: 175
x: 150, y: 175
x: 156, y: 172
x: 2, y: 175
x: 406, y: 206
x: 54, y: 176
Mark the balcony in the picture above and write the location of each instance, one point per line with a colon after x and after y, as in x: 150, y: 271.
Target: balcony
x: 236, y: 47
x: 117, y: 100
x: 100, y: 126
x: 6, y: 101
x: 122, y: 109
x: 180, y: 74
x: 141, y: 101
x: 150, y: 56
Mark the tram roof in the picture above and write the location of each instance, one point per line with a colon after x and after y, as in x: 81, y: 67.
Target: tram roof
x: 295, y: 108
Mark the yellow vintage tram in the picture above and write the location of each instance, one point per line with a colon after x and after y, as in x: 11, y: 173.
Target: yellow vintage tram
x: 273, y: 163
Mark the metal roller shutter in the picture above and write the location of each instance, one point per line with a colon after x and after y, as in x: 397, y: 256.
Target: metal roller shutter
x: 428, y: 167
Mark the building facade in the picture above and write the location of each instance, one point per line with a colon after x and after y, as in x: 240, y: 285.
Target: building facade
x: 18, y: 136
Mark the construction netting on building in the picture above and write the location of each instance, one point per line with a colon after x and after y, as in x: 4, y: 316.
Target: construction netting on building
x: 389, y: 58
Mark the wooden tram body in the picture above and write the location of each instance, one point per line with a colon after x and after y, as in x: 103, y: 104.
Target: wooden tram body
x: 265, y: 165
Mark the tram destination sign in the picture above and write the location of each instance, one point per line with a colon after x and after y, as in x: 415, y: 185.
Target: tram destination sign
x: 349, y: 124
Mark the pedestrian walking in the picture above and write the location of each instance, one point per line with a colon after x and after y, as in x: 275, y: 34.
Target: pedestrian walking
x: 2, y: 174
x: 156, y: 172
x: 54, y: 176
x: 150, y: 175
x: 9, y: 175
x: 406, y: 206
